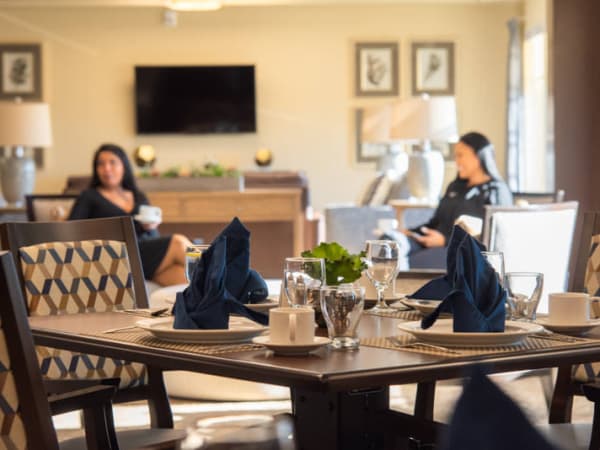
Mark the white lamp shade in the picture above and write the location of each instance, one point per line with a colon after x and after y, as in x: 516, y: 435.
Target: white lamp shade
x: 25, y: 124
x: 375, y: 123
x: 425, y: 118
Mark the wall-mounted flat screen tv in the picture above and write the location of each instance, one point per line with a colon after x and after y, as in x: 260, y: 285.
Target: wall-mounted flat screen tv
x: 195, y: 99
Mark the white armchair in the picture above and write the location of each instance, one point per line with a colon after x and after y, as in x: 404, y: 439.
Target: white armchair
x: 534, y: 238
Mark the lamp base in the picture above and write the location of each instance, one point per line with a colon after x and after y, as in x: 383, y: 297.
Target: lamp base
x: 17, y: 177
x: 426, y: 174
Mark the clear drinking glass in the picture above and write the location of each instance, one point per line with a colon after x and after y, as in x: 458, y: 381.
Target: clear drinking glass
x: 342, y: 307
x: 383, y: 262
x: 496, y: 260
x: 524, y: 292
x: 300, y: 275
x: 192, y: 256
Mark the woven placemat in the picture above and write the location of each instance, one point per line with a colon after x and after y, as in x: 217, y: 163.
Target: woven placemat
x: 143, y: 337
x: 410, y: 314
x: 528, y: 344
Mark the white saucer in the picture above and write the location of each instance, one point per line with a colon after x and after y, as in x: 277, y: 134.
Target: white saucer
x: 288, y: 349
x: 569, y: 328
x: 142, y: 219
x: 421, y: 305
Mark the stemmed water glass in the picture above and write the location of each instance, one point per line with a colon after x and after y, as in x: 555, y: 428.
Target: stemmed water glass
x: 383, y: 262
x: 302, y: 277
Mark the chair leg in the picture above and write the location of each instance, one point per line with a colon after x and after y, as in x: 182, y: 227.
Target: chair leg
x: 562, y: 400
x: 595, y: 437
x: 100, y: 428
x: 424, y: 400
x: 158, y: 402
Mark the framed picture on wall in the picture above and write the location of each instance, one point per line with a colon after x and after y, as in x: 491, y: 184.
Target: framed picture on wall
x: 20, y: 71
x: 433, y: 68
x: 376, y: 68
x: 366, y: 151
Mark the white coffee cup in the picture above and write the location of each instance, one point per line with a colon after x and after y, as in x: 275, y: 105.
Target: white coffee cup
x: 292, y: 326
x: 568, y: 308
x: 150, y: 213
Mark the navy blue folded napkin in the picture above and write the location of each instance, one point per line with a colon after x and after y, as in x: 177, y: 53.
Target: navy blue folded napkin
x: 475, y: 297
x: 485, y: 418
x: 221, y: 283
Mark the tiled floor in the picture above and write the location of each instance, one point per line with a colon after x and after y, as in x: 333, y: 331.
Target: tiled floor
x: 526, y: 391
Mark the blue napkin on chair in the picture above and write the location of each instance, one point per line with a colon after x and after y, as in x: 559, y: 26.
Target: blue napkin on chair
x: 221, y: 283
x: 475, y: 297
x: 485, y: 418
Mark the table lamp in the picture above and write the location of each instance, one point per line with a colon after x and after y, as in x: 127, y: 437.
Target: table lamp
x: 375, y: 127
x: 22, y: 127
x: 425, y: 120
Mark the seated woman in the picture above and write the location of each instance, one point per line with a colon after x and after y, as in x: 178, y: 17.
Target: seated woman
x: 478, y: 183
x: 113, y: 192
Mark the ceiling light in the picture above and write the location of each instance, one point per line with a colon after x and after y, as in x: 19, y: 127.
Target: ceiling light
x: 194, y: 5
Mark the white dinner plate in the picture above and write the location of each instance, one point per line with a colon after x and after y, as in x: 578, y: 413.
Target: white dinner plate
x: 142, y: 219
x: 441, y: 333
x: 240, y: 330
x: 570, y: 328
x: 289, y: 349
x: 271, y: 301
x: 423, y: 306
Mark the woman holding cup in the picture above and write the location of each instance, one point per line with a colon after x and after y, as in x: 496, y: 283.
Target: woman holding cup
x: 113, y: 192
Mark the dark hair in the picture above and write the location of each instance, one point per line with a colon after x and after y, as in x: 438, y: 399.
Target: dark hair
x: 128, y: 181
x: 484, y: 150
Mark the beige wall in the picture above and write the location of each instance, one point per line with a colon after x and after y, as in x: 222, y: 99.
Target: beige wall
x: 304, y: 79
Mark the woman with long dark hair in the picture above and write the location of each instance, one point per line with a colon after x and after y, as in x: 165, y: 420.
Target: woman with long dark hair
x: 113, y: 192
x: 478, y: 183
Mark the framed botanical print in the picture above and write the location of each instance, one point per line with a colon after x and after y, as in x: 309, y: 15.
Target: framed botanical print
x: 433, y: 68
x: 20, y: 71
x: 376, y: 69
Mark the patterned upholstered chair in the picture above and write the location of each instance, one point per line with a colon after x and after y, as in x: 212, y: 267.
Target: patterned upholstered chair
x: 586, y: 278
x: 86, y: 266
x: 26, y: 414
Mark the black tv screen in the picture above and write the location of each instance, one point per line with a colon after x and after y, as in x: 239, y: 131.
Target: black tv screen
x: 195, y: 99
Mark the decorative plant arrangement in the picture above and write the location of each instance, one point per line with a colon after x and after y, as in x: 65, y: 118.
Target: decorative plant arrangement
x: 340, y: 266
x: 209, y: 169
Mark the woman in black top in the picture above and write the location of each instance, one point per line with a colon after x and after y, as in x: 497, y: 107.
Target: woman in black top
x: 113, y: 192
x: 478, y: 183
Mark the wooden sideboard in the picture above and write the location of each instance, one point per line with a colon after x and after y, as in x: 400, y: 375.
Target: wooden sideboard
x: 275, y: 218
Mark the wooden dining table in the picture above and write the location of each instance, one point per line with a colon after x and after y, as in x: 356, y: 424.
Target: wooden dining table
x: 340, y: 399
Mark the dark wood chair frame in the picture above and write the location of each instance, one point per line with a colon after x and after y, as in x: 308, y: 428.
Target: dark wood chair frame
x: 486, y: 233
x: 540, y: 197
x: 16, y: 235
x: 31, y: 198
x: 565, y: 387
x: 34, y: 404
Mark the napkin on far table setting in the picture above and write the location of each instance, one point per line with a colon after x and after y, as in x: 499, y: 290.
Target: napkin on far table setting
x: 221, y: 283
x: 470, y: 290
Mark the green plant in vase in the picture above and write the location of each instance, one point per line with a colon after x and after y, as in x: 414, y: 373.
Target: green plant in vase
x: 341, y: 267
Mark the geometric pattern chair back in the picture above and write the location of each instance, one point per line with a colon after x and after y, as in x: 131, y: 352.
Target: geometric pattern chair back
x: 586, y: 278
x: 76, y: 277
x: 73, y: 278
x: 592, y: 270
x: 25, y: 420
